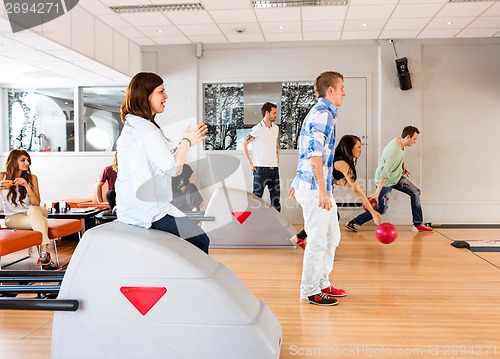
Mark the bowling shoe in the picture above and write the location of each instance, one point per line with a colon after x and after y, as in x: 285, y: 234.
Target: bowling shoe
x: 334, y: 292
x: 351, y: 226
x: 320, y: 299
x: 46, y: 262
x: 422, y: 228
x: 298, y: 242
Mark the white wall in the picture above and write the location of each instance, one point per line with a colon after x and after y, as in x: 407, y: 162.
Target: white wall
x: 64, y: 175
x: 391, y: 109
x: 455, y: 102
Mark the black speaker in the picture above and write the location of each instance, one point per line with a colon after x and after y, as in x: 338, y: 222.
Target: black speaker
x: 403, y: 74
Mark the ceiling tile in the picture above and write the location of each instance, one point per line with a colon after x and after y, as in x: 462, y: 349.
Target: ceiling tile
x: 324, y: 35
x: 312, y: 13
x: 146, y: 19
x: 370, y: 12
x: 406, y: 24
x: 364, y: 25
x: 486, y: 22
x: 209, y: 39
x: 231, y: 16
x: 249, y: 28
x: 58, y: 65
x: 113, y: 20
x: 159, y: 31
x: 95, y: 7
x: 7, y: 44
x: 423, y: 1
x: 360, y: 35
x: 463, y: 9
x: 399, y: 34
x: 246, y: 38
x: 281, y: 28
x: 284, y: 37
x: 39, y: 43
x: 125, y: 2
x: 437, y: 33
x: 68, y: 55
x: 281, y: 14
x: 416, y: 10
x: 129, y: 32
x: 226, y: 4
x: 317, y: 26
x: 477, y: 32
x: 446, y: 23
x: 38, y: 55
x: 189, y: 17
x: 202, y: 29
x: 370, y: 2
x: 494, y: 10
x: 143, y: 41
x: 171, y: 40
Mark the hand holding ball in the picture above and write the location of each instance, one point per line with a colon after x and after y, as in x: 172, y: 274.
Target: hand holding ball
x: 386, y: 233
x: 373, y: 202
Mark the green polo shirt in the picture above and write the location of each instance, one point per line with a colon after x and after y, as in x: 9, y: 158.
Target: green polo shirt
x: 391, y: 164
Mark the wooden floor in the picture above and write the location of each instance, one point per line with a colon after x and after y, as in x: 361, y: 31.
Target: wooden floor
x: 418, y: 297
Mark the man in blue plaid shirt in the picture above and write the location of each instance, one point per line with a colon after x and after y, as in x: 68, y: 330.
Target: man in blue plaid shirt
x: 313, y: 190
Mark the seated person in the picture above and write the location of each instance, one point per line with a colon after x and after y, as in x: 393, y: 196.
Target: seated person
x: 109, y: 174
x: 186, y: 195
x: 20, y: 195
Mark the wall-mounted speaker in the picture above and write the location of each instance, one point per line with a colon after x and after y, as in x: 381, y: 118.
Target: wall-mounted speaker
x: 403, y: 73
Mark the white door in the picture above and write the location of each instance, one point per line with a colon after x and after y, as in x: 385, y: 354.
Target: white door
x: 353, y: 120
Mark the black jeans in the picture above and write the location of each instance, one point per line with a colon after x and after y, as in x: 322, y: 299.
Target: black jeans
x: 185, y: 228
x: 111, y: 198
x: 270, y: 177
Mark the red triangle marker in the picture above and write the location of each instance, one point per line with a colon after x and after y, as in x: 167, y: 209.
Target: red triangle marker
x: 143, y: 298
x: 241, y: 216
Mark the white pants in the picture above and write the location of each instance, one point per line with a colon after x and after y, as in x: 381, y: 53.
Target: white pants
x: 35, y: 218
x: 323, y: 237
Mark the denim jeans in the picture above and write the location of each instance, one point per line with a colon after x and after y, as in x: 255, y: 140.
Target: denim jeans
x: 404, y: 185
x: 323, y: 231
x: 185, y: 228
x: 270, y: 177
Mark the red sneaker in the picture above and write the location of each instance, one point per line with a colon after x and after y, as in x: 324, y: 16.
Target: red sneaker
x: 334, y: 292
x: 298, y: 242
x: 422, y: 228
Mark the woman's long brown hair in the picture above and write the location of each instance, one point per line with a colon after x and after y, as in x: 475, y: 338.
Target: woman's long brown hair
x: 11, y: 171
x: 136, y: 101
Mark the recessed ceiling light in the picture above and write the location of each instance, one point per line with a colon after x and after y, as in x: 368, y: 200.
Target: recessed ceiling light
x: 286, y: 3
x: 160, y: 31
x: 449, y: 23
x: 281, y: 27
x: 157, y: 8
x: 364, y: 25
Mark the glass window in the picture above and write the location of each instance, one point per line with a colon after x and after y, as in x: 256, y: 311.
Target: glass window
x: 41, y: 119
x: 231, y: 110
x: 101, y: 117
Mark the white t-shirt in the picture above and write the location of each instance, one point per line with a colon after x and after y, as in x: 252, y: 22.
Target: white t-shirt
x: 9, y: 208
x: 264, y: 145
x: 146, y: 166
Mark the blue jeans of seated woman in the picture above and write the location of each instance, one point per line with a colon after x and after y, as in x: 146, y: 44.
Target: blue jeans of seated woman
x: 185, y: 228
x: 404, y: 185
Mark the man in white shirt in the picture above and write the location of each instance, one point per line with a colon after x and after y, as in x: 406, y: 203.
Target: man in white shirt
x: 265, y: 155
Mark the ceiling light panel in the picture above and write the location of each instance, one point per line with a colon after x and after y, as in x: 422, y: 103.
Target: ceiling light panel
x: 157, y: 8
x: 272, y: 3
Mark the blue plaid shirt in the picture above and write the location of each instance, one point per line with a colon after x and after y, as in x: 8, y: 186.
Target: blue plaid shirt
x: 317, y: 138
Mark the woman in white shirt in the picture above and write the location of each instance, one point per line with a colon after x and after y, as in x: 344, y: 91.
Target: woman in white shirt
x: 21, y: 201
x: 148, y: 163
